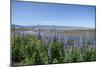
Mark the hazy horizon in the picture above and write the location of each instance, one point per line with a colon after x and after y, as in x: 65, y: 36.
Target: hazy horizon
x: 53, y: 25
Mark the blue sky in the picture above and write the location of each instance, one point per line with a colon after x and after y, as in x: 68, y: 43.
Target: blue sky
x: 29, y: 13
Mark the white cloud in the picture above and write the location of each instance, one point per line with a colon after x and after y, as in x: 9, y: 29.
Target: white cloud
x: 49, y: 22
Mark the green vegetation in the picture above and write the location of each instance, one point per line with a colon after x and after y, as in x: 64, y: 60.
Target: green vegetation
x: 31, y: 50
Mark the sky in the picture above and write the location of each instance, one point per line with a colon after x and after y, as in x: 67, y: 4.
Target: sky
x: 32, y: 13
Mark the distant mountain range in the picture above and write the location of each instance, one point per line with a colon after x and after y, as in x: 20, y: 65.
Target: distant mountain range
x: 48, y: 26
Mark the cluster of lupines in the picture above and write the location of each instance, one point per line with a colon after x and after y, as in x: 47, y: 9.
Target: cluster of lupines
x: 30, y: 49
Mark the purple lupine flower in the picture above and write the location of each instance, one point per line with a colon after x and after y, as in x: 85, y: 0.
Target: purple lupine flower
x: 65, y: 44
x: 77, y: 44
x: 47, y: 42
x: 54, y: 36
x: 80, y: 41
x: 59, y: 38
x: 38, y: 34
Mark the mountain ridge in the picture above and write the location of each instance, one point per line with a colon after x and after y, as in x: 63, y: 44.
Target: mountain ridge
x: 46, y: 26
